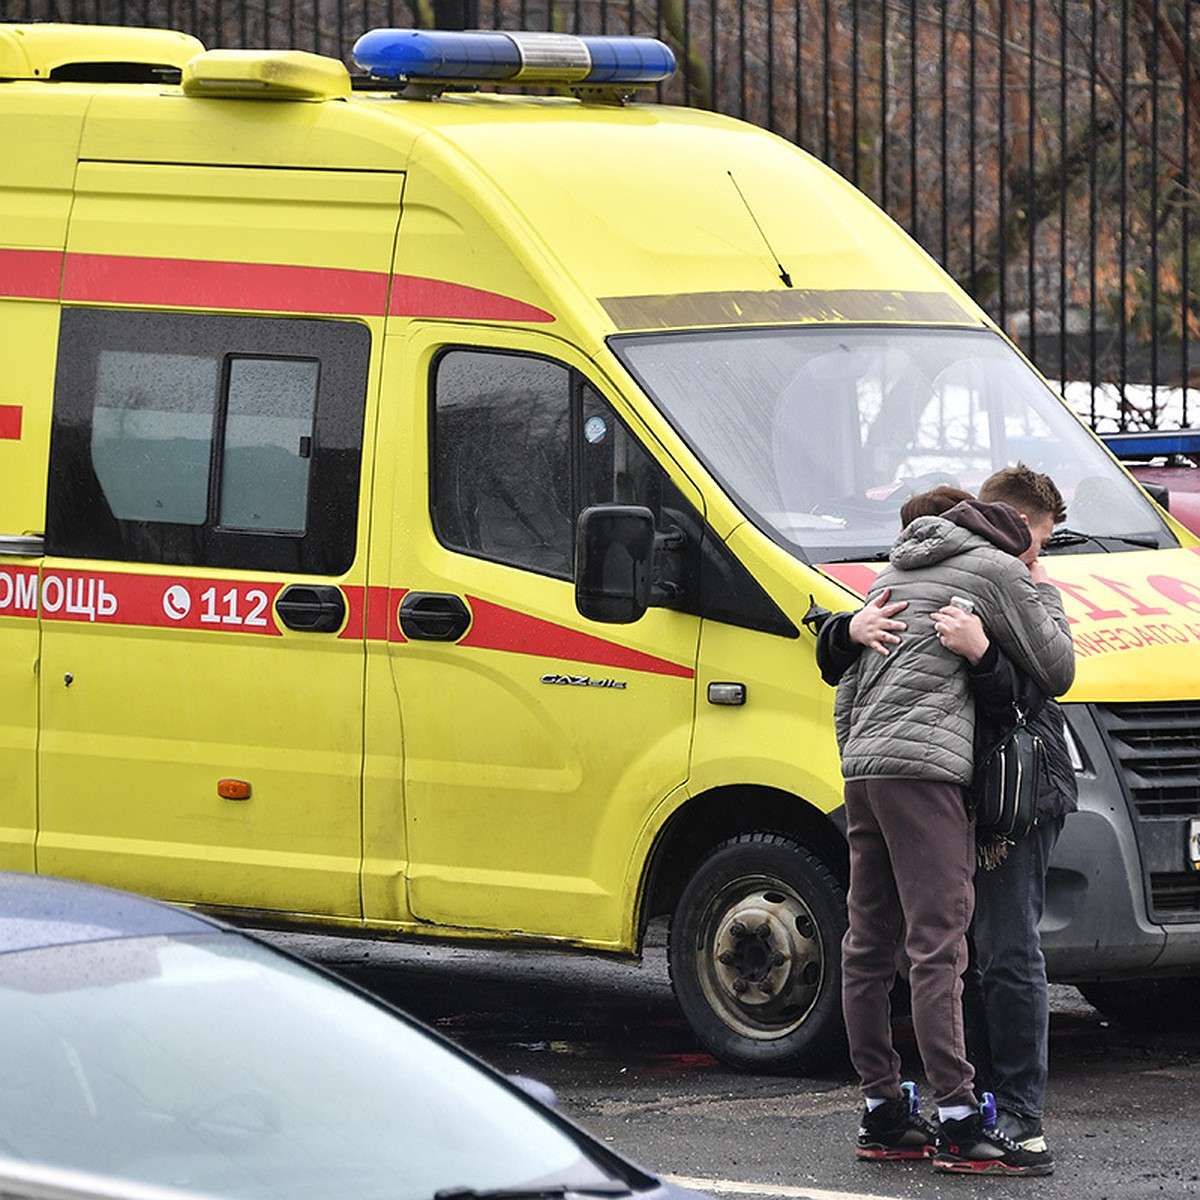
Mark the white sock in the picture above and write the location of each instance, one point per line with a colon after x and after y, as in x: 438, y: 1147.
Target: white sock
x: 873, y: 1103
x: 956, y: 1112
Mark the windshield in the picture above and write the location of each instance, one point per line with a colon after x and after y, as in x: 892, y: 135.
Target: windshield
x: 821, y: 434
x: 216, y: 1065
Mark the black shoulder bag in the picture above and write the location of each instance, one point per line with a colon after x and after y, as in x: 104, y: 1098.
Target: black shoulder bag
x: 1005, y: 785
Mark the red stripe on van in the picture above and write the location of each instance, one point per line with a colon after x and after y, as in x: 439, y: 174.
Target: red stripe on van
x: 255, y: 287
x: 10, y: 422
x: 30, y: 274
x: 194, y: 283
x: 356, y: 611
x: 497, y: 628
x: 413, y: 296
x: 374, y: 613
x: 160, y: 601
x: 858, y: 577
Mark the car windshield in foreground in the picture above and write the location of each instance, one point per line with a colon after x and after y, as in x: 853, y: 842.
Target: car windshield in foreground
x: 820, y: 434
x: 213, y: 1064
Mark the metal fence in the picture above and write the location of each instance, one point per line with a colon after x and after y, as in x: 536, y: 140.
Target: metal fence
x: 1044, y: 151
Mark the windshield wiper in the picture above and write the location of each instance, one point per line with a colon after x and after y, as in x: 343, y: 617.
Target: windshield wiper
x: 1146, y: 541
x: 1076, y: 537
x: 549, y: 1191
x: 1066, y: 537
x: 878, y: 557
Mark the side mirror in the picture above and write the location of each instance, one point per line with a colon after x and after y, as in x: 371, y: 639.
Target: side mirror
x: 1158, y: 493
x: 614, y: 551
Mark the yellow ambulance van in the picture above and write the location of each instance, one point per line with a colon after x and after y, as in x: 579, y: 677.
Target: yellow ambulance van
x: 412, y: 491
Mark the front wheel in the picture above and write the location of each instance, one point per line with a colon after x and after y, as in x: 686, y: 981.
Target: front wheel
x: 754, y: 955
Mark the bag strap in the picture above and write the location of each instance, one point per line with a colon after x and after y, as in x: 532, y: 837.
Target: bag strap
x: 1023, y: 689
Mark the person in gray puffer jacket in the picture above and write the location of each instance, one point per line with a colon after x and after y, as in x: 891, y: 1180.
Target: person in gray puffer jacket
x: 905, y: 724
x: 919, y: 721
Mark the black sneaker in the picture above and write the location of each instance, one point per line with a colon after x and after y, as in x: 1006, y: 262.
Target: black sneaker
x: 975, y: 1146
x: 895, y: 1130
x: 1026, y: 1132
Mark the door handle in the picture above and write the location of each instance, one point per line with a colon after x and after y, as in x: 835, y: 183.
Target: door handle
x: 311, y: 609
x: 434, y: 617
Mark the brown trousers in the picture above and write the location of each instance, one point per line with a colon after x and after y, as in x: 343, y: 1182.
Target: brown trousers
x: 912, y: 861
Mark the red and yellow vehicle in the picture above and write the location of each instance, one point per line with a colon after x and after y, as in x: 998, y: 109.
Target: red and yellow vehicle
x: 410, y: 499
x: 1166, y: 462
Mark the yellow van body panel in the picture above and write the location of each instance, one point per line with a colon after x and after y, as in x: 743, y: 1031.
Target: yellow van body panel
x: 37, y: 174
x: 23, y: 460
x: 187, y: 214
x: 37, y: 170
x: 781, y: 734
x: 333, y: 136
x: 135, y: 745
x: 18, y: 715
x: 498, y: 722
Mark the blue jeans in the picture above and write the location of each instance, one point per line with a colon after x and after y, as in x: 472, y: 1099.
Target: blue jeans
x: 1006, y: 1005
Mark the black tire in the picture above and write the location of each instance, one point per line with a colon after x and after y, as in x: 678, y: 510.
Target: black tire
x: 1147, y: 1005
x: 755, y: 956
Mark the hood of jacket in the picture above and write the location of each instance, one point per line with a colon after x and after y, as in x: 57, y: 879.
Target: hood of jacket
x: 930, y: 540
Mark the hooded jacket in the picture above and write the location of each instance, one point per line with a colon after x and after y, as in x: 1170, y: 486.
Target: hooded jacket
x: 911, y: 713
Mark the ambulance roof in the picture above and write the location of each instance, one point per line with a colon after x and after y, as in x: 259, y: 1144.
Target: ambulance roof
x: 663, y: 206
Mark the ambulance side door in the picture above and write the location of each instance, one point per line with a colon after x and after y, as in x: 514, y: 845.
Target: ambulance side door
x: 201, y: 602
x: 201, y: 716
x: 537, y: 743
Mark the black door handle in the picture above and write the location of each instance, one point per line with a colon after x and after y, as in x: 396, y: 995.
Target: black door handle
x: 312, y: 609
x: 434, y: 617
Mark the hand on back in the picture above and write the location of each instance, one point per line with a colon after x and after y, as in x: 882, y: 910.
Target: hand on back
x: 962, y: 632
x: 875, y: 625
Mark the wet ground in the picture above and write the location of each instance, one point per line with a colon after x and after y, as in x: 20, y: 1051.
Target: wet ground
x: 609, y: 1039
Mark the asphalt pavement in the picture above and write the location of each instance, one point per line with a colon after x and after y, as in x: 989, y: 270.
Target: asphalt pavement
x: 608, y: 1037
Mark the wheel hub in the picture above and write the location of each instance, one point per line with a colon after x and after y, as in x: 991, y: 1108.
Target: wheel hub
x: 764, y: 952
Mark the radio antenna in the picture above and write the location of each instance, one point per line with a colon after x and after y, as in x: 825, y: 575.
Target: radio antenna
x: 787, y: 279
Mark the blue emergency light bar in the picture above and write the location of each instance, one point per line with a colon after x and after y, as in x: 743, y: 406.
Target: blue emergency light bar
x: 1153, y: 442
x: 446, y: 56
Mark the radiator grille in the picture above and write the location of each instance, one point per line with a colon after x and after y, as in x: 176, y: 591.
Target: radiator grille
x: 1157, y: 748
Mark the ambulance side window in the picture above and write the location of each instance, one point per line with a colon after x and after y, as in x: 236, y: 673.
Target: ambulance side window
x: 266, y: 459
x: 521, y: 445
x: 615, y: 468
x: 202, y: 440
x: 152, y: 433
x: 501, y: 453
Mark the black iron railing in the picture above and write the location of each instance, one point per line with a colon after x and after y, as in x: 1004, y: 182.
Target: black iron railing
x: 1044, y: 151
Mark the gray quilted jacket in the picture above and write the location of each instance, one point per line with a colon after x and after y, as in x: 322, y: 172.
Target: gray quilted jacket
x: 911, y: 713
